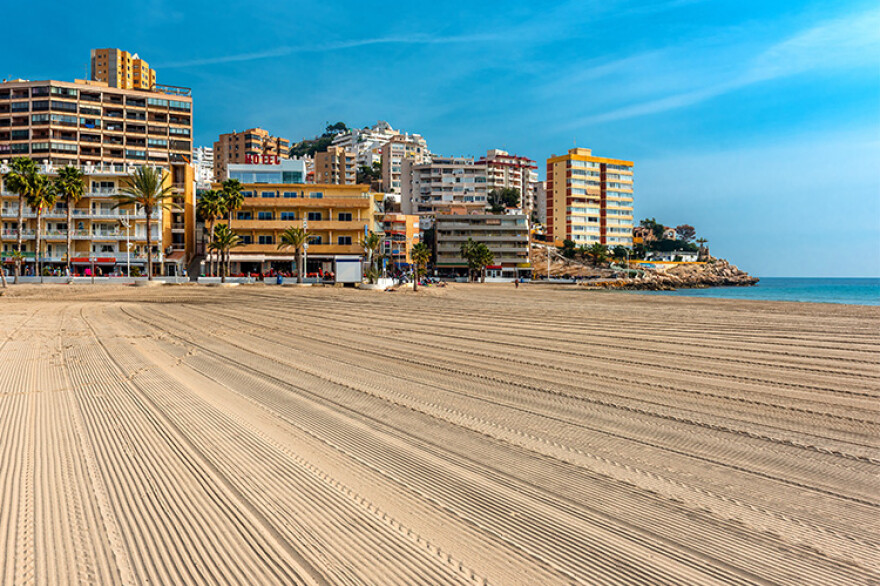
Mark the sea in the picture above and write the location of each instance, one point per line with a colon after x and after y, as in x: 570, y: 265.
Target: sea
x: 849, y: 291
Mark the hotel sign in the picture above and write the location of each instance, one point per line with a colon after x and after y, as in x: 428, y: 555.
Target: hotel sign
x: 262, y: 159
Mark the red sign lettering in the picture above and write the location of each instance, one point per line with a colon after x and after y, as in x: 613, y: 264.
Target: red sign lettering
x: 262, y: 159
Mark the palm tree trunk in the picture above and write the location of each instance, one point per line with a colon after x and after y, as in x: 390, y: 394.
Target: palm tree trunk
x: 299, y: 273
x: 2, y: 270
x: 37, y: 252
x: 415, y: 276
x: 69, y: 236
x: 222, y: 266
x: 211, y: 261
x: 147, y: 212
x: 19, y: 236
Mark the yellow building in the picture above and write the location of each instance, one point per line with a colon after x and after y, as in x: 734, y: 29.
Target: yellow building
x: 247, y: 147
x: 336, y: 165
x: 122, y: 69
x: 401, y: 233
x: 276, y: 198
x: 589, y: 199
x: 101, y: 232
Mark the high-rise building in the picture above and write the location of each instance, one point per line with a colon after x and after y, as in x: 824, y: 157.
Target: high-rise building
x: 106, y: 130
x: 589, y: 199
x: 122, y: 69
x: 443, y: 183
x: 402, y: 147
x: 277, y: 198
x: 336, y: 165
x: 506, y: 171
x: 400, y: 234
x: 366, y: 142
x: 242, y: 147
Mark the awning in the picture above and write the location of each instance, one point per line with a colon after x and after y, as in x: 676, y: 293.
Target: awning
x: 175, y: 256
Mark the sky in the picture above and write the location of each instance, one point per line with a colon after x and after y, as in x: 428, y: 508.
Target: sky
x: 756, y: 122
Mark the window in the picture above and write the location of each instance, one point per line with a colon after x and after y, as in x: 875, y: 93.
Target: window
x: 267, y: 194
x: 247, y: 239
x: 265, y: 216
x: 288, y: 216
x: 157, y: 142
x: 266, y: 239
x: 345, y: 216
x: 316, y: 195
x: 345, y: 240
x: 315, y: 216
x: 244, y: 216
x: 290, y: 194
x: 247, y: 193
x: 314, y: 240
x: 23, y: 106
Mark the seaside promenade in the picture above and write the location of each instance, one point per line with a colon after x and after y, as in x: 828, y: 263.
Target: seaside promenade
x: 466, y: 435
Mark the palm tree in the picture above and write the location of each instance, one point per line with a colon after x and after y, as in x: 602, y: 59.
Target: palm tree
x: 17, y: 182
x: 598, y: 253
x: 41, y: 196
x: 295, y: 238
x: 224, y: 240
x: 232, y: 196
x: 468, y: 252
x: 146, y: 187
x: 483, y: 257
x: 421, y: 254
x: 70, y: 185
x: 211, y: 207
x: 371, y: 244
x: 703, y: 250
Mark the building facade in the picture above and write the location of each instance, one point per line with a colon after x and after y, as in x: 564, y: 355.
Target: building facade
x: 121, y: 69
x: 276, y: 198
x: 402, y: 147
x: 106, y: 237
x: 589, y: 199
x: 443, y: 184
x: 337, y: 166
x: 507, y: 236
x: 401, y: 232
x: 241, y: 147
x: 203, y: 166
x: 366, y: 142
x: 506, y: 171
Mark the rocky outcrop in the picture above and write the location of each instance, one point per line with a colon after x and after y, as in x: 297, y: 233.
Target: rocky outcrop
x: 715, y: 273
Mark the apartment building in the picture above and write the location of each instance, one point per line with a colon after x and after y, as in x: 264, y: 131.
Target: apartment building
x: 276, y: 198
x: 89, y: 122
x: 590, y: 199
x: 507, y: 236
x: 366, y: 142
x: 243, y: 147
x: 336, y: 165
x: 203, y: 166
x: 104, y: 236
x: 506, y: 171
x: 121, y: 69
x: 443, y: 183
x: 402, y: 147
x: 400, y: 234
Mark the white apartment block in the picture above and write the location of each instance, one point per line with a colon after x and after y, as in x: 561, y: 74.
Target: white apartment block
x: 403, y: 147
x: 203, y: 165
x: 366, y: 142
x: 443, y: 185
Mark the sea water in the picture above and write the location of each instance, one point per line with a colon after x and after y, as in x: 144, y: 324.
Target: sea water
x: 852, y: 291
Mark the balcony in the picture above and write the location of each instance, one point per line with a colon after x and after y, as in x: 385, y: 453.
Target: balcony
x: 314, y: 249
x: 314, y: 225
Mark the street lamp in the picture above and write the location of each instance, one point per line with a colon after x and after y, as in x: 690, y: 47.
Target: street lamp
x: 306, y: 251
x: 126, y: 224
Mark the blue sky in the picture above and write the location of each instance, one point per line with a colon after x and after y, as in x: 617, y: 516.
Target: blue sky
x: 757, y: 122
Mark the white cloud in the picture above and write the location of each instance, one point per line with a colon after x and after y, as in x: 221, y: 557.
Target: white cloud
x: 843, y: 43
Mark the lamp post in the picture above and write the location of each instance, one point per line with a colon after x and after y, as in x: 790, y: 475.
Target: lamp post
x: 306, y: 251
x: 126, y: 224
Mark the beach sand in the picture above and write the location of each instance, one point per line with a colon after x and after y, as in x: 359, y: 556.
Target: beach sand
x: 467, y: 435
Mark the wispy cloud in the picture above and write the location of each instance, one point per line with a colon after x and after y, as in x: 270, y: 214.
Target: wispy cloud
x: 284, y: 50
x: 852, y: 41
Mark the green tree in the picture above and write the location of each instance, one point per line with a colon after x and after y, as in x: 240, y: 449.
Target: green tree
x: 483, y: 257
x: 654, y: 226
x: 41, y: 196
x: 598, y: 253
x: 233, y: 198
x: 620, y: 253
x: 16, y: 179
x: 467, y: 250
x: 501, y: 199
x: 146, y: 188
x: 371, y: 243
x: 421, y: 254
x: 210, y: 208
x: 568, y: 249
x: 686, y: 232
x: 295, y: 238
x: 225, y: 239
x: 70, y: 186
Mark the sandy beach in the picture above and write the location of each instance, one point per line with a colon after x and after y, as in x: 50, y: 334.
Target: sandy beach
x: 468, y: 435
